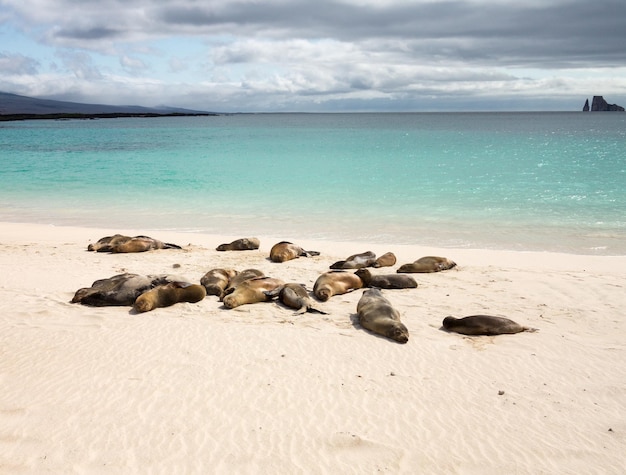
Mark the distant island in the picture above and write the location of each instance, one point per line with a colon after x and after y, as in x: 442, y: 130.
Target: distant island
x: 600, y: 105
x: 16, y: 107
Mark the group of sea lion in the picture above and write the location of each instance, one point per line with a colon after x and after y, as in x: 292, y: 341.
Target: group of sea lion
x: 234, y: 288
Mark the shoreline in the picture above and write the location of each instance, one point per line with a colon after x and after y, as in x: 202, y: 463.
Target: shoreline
x: 197, y: 387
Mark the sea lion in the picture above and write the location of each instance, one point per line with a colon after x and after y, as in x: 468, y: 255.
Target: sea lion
x: 388, y: 259
x: 251, y: 291
x: 121, y: 289
x: 168, y: 294
x: 356, y: 261
x: 119, y: 243
x: 216, y: 280
x: 378, y: 315
x: 240, y: 277
x: 427, y: 264
x: 243, y: 244
x: 335, y: 282
x: 388, y: 281
x: 285, y: 251
x: 295, y: 296
x: 484, y: 325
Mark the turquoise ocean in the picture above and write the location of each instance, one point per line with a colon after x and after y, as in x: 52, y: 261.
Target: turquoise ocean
x: 516, y: 181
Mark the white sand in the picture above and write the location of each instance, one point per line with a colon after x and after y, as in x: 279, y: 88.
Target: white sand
x: 196, y: 388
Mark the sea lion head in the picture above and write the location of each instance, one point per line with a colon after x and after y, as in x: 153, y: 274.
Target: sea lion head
x: 323, y: 293
x: 398, y: 332
x: 449, y: 322
x: 365, y: 275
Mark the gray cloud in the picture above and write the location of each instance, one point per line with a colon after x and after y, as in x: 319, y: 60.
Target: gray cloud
x: 282, y: 54
x: 17, y: 64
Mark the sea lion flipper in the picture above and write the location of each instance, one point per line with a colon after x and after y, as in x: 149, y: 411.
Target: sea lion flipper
x: 311, y: 253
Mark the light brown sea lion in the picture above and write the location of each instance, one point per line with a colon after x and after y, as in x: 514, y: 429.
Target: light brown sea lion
x: 121, y: 289
x: 484, y: 325
x: 335, y: 282
x: 243, y: 244
x: 119, y: 243
x: 251, y: 291
x: 387, y: 281
x: 378, y: 315
x: 285, y: 251
x: 427, y: 264
x: 216, y: 280
x: 388, y: 259
x: 356, y: 261
x: 242, y: 276
x: 295, y: 296
x: 169, y: 294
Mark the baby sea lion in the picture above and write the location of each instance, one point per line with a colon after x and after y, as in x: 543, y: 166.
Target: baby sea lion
x: 388, y: 259
x: 295, y: 296
x: 388, y: 281
x: 121, y: 289
x: 168, y: 294
x: 243, y: 244
x: 216, y: 280
x: 119, y: 243
x: 251, y: 291
x: 335, y: 282
x: 378, y: 315
x: 484, y: 325
x: 356, y: 261
x: 427, y: 264
x: 285, y: 251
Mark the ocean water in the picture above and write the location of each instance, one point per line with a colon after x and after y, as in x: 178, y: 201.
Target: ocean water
x: 519, y: 181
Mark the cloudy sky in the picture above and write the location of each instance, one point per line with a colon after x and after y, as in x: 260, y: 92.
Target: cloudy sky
x: 317, y: 55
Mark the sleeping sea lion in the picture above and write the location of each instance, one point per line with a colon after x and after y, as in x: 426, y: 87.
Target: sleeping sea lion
x: 295, y: 296
x: 335, y: 282
x: 121, y: 289
x: 119, y: 243
x: 388, y: 281
x: 427, y: 264
x: 216, y: 280
x: 378, y: 315
x: 484, y: 325
x: 240, y: 277
x: 356, y: 261
x: 285, y: 251
x: 388, y: 259
x: 243, y: 244
x: 251, y: 291
x: 168, y: 294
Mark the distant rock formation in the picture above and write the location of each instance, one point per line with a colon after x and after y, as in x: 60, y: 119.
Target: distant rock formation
x: 600, y: 105
x: 586, y: 106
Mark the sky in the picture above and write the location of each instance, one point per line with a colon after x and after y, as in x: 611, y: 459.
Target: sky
x: 317, y: 55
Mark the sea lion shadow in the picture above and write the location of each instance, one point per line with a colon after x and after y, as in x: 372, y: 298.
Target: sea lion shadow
x: 354, y: 319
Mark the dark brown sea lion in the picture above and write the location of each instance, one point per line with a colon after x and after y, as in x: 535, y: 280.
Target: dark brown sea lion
x: 378, y: 315
x: 388, y: 259
x: 243, y: 244
x: 121, y: 289
x: 168, y: 294
x: 388, y: 281
x: 295, y: 296
x: 119, y: 243
x: 285, y: 251
x: 242, y: 276
x: 216, y: 280
x: 251, y: 291
x: 427, y: 264
x: 335, y: 282
x: 356, y: 261
x: 484, y: 325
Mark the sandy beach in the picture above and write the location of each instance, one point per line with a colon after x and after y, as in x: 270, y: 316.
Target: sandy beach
x: 198, y: 388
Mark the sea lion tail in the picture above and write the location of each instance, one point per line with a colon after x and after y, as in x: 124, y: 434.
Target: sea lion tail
x: 169, y: 245
x: 311, y: 253
x: 531, y: 329
x: 314, y: 310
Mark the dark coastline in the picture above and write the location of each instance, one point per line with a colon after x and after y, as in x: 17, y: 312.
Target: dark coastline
x: 108, y: 115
